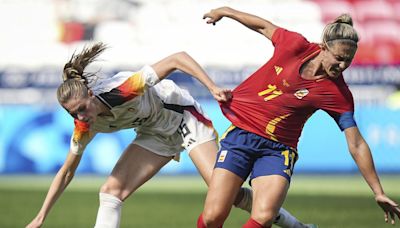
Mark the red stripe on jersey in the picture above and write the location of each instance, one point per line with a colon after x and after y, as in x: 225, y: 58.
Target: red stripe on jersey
x: 199, y: 116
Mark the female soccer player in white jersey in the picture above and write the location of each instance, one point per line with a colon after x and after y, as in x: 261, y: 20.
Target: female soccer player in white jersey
x: 166, y: 118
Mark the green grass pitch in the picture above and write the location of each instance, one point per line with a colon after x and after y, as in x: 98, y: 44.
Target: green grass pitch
x: 175, y: 202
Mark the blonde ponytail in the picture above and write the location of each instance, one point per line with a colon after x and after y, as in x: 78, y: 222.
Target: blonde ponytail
x: 75, y: 79
x: 74, y: 68
x: 342, y: 30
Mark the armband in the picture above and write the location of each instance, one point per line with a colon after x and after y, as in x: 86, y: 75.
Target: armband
x: 346, y: 120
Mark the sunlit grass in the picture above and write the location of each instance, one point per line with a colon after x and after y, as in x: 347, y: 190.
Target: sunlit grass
x: 174, y: 202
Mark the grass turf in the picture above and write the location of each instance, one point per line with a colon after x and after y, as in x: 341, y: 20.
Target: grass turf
x: 329, y: 201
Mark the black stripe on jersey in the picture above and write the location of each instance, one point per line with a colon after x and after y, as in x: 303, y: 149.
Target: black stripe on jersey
x: 112, y: 98
x: 104, y: 102
x: 174, y: 107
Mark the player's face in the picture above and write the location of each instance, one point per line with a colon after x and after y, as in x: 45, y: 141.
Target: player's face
x: 83, y: 109
x: 337, y: 58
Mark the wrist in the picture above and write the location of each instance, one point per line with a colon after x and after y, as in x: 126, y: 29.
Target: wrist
x: 227, y: 11
x: 378, y: 192
x: 40, y: 218
x: 212, y: 88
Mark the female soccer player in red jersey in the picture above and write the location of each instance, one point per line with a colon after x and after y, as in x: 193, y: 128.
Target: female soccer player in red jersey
x: 166, y: 118
x: 268, y: 111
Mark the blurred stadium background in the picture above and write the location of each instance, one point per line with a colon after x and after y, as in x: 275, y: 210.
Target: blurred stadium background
x: 39, y: 36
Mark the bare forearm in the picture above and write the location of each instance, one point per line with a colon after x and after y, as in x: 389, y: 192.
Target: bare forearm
x: 188, y: 65
x: 185, y: 63
x: 362, y: 156
x: 60, y: 182
x: 57, y: 187
x: 252, y: 22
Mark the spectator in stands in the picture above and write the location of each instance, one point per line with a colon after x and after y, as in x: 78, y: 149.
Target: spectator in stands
x: 269, y: 110
x: 166, y: 119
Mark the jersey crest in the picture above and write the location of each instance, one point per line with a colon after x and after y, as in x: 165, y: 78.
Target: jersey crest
x: 300, y: 94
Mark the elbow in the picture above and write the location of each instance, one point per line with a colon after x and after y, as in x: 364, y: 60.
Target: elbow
x: 359, y: 150
x: 69, y: 174
x: 178, y: 59
x: 182, y: 53
x: 354, y: 148
x: 180, y: 56
x: 353, y: 151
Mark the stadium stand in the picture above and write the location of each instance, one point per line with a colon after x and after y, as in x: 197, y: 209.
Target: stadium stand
x: 330, y: 9
x: 38, y: 37
x: 378, y: 26
x: 373, y: 10
x: 155, y: 25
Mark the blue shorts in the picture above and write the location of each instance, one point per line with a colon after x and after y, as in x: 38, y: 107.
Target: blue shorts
x: 243, y: 152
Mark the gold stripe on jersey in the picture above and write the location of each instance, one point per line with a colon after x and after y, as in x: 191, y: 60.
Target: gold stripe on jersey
x: 270, y: 128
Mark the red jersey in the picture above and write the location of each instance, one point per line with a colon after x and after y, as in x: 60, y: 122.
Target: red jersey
x: 275, y: 101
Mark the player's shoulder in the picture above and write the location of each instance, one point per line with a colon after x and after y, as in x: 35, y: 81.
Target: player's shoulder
x: 342, y: 85
x: 103, y: 85
x: 338, y: 89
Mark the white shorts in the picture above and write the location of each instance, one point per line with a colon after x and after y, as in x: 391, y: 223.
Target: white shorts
x: 192, y: 131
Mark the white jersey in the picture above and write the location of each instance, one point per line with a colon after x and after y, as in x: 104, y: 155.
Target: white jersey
x: 137, y: 100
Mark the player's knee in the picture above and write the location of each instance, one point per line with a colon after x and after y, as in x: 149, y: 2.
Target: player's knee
x: 112, y: 189
x: 214, y: 216
x: 266, y: 217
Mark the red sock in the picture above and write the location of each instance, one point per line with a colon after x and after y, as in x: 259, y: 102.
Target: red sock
x: 200, y: 222
x: 251, y: 223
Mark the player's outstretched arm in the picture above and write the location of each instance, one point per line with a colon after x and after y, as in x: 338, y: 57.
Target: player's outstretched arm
x: 60, y: 182
x: 252, y: 22
x: 185, y: 63
x: 361, y: 153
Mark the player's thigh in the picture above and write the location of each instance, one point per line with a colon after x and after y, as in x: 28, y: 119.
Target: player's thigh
x: 136, y: 166
x: 222, y: 191
x: 199, y: 140
x: 269, y: 193
x: 203, y: 157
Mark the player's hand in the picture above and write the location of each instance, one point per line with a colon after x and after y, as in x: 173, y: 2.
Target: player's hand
x: 214, y: 15
x: 390, y: 208
x: 221, y: 95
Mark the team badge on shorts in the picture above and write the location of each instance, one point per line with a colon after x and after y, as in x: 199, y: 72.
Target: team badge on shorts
x: 222, y: 156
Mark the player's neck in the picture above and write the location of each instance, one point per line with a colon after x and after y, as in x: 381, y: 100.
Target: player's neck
x: 312, y: 69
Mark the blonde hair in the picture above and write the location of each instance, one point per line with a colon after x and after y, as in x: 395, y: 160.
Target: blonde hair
x: 75, y: 79
x: 340, y: 30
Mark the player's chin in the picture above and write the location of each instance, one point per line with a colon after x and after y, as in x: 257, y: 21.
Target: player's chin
x: 334, y: 74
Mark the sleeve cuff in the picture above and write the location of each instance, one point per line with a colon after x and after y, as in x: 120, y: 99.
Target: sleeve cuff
x: 151, y: 77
